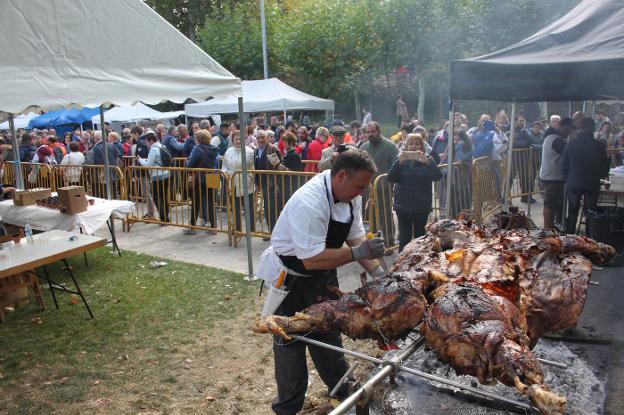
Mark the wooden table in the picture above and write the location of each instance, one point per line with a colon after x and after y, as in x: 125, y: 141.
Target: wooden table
x: 47, y: 248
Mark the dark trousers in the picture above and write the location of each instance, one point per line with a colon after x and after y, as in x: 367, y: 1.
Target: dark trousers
x: 411, y: 225
x: 590, y: 201
x: 269, y: 198
x: 203, y: 201
x: 238, y: 211
x: 291, y: 370
x: 160, y: 188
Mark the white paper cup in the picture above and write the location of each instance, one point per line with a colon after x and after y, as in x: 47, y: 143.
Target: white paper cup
x: 274, y: 298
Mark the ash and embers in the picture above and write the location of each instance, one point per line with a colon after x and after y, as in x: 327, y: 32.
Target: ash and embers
x: 583, y: 388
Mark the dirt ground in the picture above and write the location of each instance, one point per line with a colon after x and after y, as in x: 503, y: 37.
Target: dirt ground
x: 230, y: 372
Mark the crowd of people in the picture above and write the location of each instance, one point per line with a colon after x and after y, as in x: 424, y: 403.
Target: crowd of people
x: 572, y: 152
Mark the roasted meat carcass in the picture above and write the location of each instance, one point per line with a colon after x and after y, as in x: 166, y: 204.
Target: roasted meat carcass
x: 484, y: 335
x: 384, y: 309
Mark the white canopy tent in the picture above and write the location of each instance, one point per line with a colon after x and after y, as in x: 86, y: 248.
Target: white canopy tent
x: 99, y: 53
x: 96, y: 53
x: 136, y: 112
x: 64, y: 53
x: 21, y: 121
x: 264, y: 95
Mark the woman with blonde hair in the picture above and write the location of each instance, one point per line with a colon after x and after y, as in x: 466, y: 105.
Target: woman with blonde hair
x: 413, y: 173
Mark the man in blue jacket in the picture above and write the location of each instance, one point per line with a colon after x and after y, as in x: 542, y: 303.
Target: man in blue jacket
x: 584, y: 163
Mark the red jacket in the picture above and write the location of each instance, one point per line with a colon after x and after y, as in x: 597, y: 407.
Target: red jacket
x: 315, y: 150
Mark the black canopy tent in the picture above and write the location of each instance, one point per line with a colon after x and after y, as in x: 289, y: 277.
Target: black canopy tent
x: 578, y: 57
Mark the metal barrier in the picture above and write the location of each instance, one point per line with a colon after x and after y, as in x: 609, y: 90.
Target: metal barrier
x: 35, y: 175
x: 380, y: 210
x: 487, y: 190
x: 91, y: 177
x: 461, y: 192
x: 525, y: 173
x: 270, y: 190
x: 194, y: 203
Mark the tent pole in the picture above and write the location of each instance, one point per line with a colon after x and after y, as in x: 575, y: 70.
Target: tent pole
x: 449, y: 160
x: 18, y: 169
x: 243, y: 138
x: 106, y: 161
x: 584, y: 106
x: 594, y: 109
x: 570, y: 109
x: 512, y: 134
x: 265, y: 64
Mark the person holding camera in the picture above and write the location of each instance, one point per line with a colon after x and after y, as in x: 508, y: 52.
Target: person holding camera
x: 413, y: 172
x: 338, y: 146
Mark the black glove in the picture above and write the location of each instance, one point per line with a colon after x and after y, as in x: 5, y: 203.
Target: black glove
x: 370, y: 249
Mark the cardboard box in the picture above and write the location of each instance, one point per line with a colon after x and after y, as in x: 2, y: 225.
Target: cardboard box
x: 29, y: 197
x: 72, y: 199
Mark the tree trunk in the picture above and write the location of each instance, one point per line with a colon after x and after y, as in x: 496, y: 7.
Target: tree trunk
x: 358, y: 110
x: 191, y: 29
x: 421, y: 99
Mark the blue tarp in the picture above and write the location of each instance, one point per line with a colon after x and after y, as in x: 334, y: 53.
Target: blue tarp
x: 63, y: 117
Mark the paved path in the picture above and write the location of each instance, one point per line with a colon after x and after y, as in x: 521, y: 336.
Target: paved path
x: 212, y: 250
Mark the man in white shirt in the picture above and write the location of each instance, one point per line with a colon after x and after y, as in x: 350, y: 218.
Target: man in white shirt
x: 308, y: 239
x: 368, y: 116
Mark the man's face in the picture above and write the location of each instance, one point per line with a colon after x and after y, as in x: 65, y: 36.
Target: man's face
x: 483, y: 119
x: 262, y: 140
x: 195, y: 127
x: 338, y: 139
x: 183, y: 131
x: 174, y: 132
x: 520, y: 123
x: 346, y: 187
x: 537, y: 129
x: 372, y: 132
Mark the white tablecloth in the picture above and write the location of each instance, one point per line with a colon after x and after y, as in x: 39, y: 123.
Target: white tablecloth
x: 45, y: 219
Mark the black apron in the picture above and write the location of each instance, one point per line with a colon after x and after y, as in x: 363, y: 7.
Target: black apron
x: 305, y: 291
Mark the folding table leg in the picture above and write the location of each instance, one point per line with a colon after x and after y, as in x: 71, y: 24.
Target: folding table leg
x: 78, y: 290
x: 47, y: 277
x: 111, y: 227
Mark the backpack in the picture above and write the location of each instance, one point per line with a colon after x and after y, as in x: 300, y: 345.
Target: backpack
x: 165, y: 156
x: 58, y: 154
x: 223, y: 145
x: 141, y: 148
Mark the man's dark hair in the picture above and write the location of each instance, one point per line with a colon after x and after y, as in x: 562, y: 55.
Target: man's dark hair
x: 137, y: 129
x: 408, y: 128
x: 224, y: 125
x: 587, y: 124
x: 51, y: 139
x: 356, y: 124
x: 151, y: 137
x: 352, y: 161
x: 73, y: 146
x: 26, y: 139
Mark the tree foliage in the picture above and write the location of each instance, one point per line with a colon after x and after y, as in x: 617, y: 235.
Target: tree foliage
x: 335, y: 48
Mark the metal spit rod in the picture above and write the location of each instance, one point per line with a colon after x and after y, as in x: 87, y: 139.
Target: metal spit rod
x: 551, y: 363
x: 389, y: 368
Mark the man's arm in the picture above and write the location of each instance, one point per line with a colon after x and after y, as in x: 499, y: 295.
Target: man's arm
x: 329, y: 259
x: 363, y: 250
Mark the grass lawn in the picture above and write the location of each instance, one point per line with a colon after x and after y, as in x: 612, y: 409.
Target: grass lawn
x: 166, y: 340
